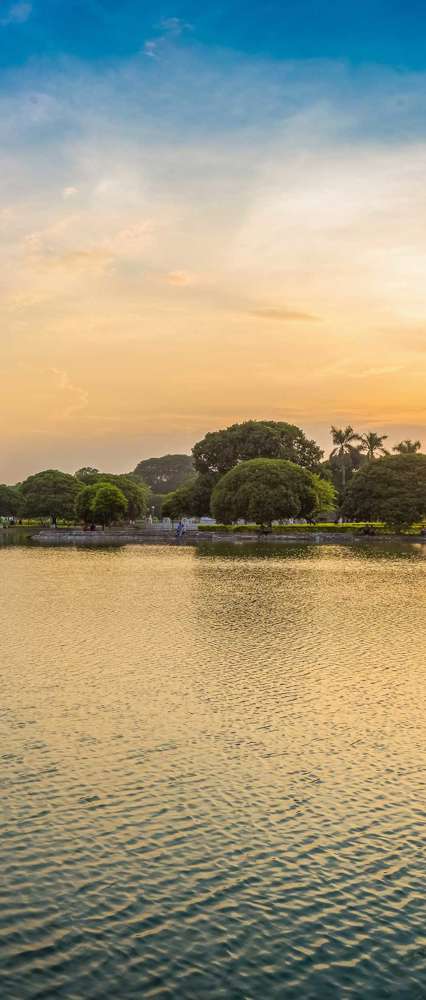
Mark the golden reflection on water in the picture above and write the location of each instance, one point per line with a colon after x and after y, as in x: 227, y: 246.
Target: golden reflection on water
x: 213, y: 765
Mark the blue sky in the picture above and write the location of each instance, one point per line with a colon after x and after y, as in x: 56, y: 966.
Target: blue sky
x: 390, y: 32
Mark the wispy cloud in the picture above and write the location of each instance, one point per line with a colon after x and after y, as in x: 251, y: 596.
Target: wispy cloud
x: 18, y: 13
x: 180, y: 278
x: 282, y: 315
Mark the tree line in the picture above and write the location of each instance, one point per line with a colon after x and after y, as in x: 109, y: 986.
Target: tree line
x: 89, y: 495
x: 258, y: 470
x: 270, y: 470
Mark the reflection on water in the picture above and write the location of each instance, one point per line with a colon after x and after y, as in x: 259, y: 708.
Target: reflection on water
x: 15, y: 536
x: 213, y: 773
x: 380, y: 549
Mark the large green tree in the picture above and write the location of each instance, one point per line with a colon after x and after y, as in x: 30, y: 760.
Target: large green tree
x: 136, y: 492
x: 165, y: 474
x: 11, y: 501
x: 391, y: 489
x: 263, y: 490
x: 84, y: 503
x: 50, y: 493
x: 220, y: 451
x: 109, y: 503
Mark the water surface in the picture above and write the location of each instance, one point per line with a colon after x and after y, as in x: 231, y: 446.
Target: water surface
x: 212, y: 771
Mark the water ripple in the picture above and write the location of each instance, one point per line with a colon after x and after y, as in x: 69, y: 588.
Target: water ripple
x: 213, y: 774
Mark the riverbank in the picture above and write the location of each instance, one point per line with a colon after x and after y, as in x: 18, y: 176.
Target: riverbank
x: 147, y: 536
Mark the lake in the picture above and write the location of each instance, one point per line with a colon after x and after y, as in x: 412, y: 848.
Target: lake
x: 213, y: 773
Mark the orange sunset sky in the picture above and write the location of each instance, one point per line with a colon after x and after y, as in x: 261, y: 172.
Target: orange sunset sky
x: 193, y: 237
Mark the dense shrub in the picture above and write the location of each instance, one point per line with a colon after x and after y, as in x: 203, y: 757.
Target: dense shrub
x: 299, y: 529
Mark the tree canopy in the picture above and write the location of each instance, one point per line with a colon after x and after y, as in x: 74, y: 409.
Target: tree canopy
x: 165, y: 474
x: 326, y: 495
x: 50, y: 493
x: 262, y: 490
x: 391, y: 489
x: 192, y: 499
x: 136, y: 492
x: 220, y: 451
x: 87, y: 475
x: 108, y: 503
x: 11, y: 501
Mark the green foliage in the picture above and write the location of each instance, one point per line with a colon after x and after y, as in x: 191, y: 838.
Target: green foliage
x: 190, y: 500
x: 87, y: 475
x: 326, y: 495
x: 353, y: 460
x: 84, y: 503
x: 392, y: 489
x: 109, y: 503
x: 165, y: 474
x: 50, y: 493
x: 358, y: 527
x: 220, y: 451
x: 11, y: 501
x: 137, y: 493
x: 178, y: 503
x: 263, y: 490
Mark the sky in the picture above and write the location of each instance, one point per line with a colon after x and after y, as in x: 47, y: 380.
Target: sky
x: 208, y: 213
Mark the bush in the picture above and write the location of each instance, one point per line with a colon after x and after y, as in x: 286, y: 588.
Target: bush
x: 391, y: 488
x: 264, y: 490
x: 300, y: 529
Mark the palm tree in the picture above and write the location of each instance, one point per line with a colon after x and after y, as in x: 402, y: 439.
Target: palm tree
x: 372, y: 442
x: 343, y: 441
x: 407, y: 447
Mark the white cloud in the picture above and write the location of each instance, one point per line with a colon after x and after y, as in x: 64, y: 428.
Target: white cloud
x: 150, y: 49
x: 69, y: 192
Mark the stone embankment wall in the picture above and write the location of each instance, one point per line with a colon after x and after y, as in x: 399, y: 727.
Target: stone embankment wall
x: 147, y: 536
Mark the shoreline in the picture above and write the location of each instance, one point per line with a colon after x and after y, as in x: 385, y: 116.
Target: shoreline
x: 118, y: 538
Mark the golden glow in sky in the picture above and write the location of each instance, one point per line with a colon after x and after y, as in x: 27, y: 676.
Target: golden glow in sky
x: 192, y: 243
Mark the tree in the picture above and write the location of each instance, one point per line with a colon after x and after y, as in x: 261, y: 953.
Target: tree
x: 192, y: 499
x: 263, y: 490
x: 178, y: 503
x: 50, y: 493
x: 109, y: 503
x: 10, y: 501
x: 326, y: 495
x: 87, y: 475
x: 391, y: 489
x: 165, y: 474
x: 220, y: 451
x: 136, y: 492
x: 407, y: 447
x: 372, y: 443
x: 84, y: 503
x: 343, y: 441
